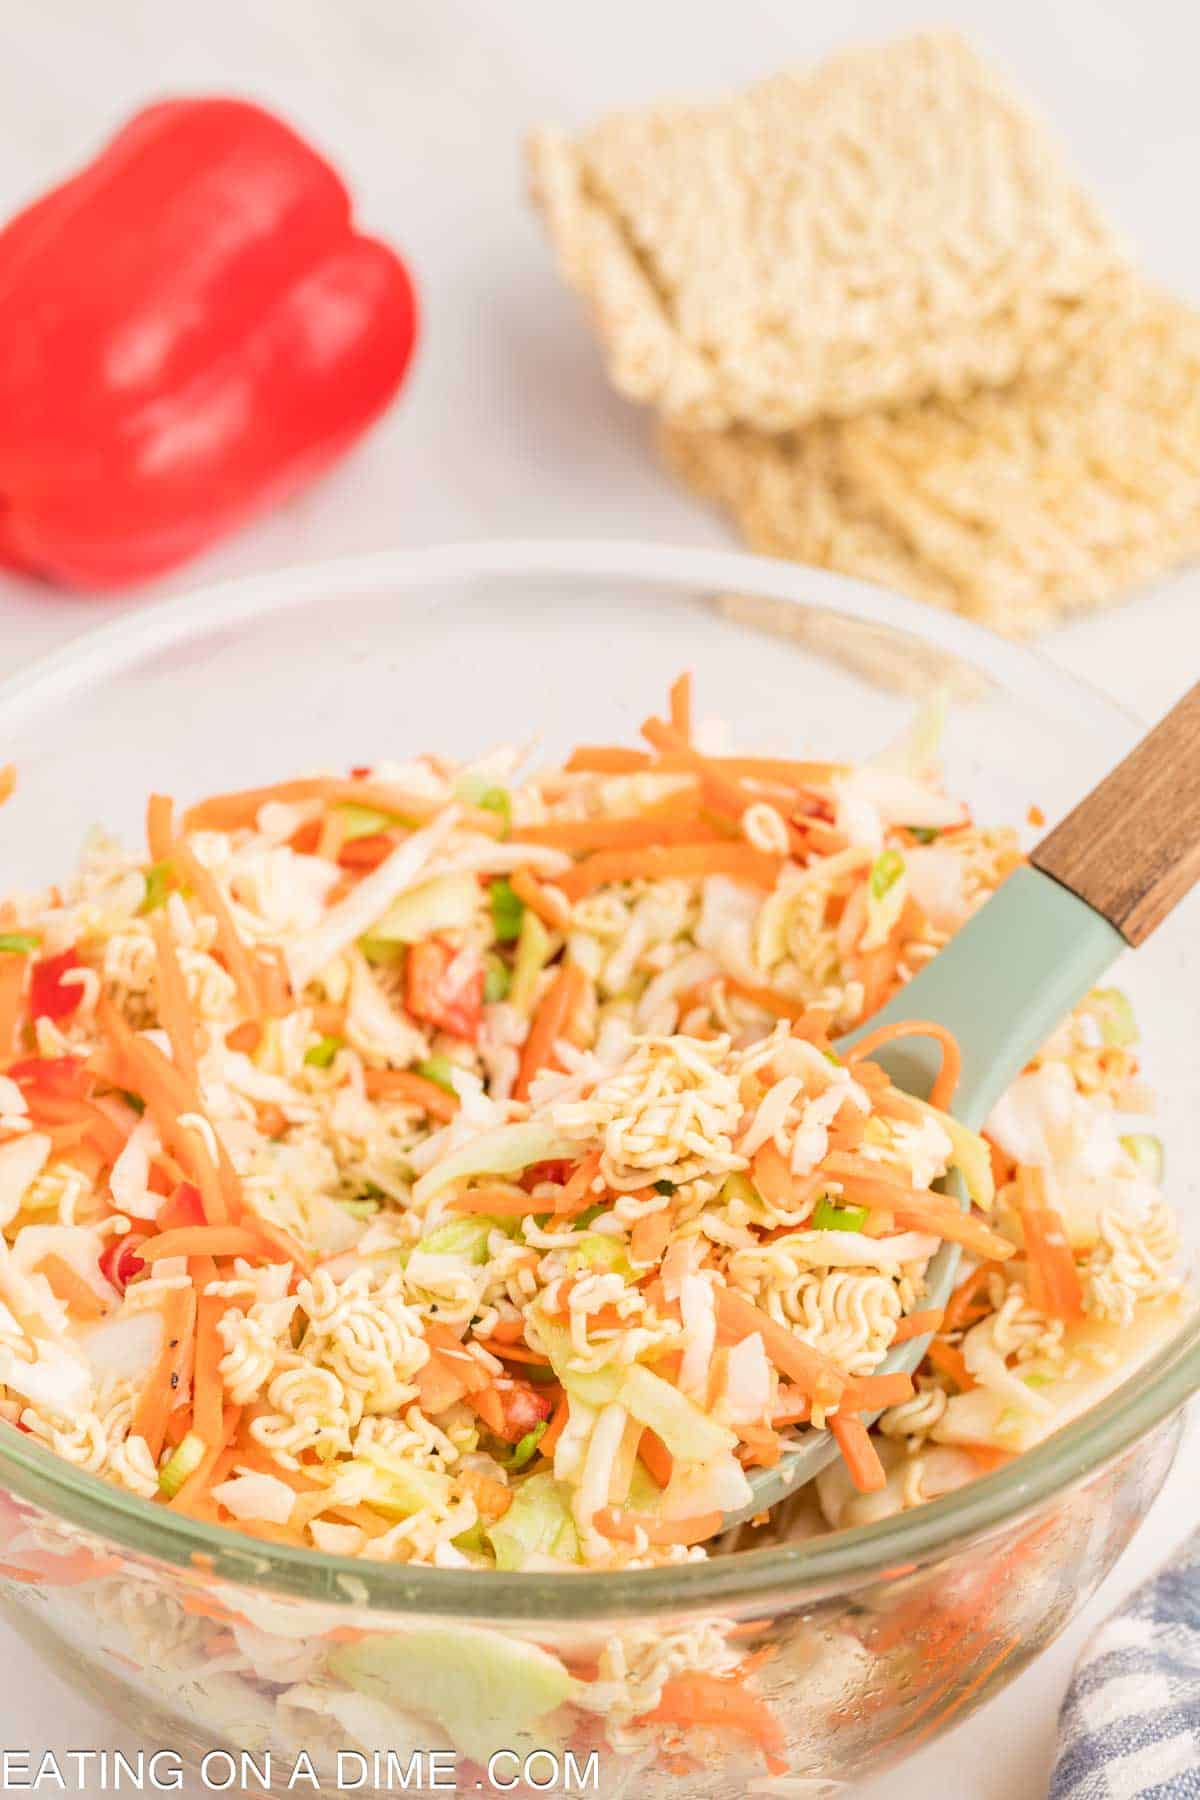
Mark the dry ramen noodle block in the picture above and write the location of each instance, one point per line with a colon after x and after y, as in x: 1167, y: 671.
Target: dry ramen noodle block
x: 887, y: 226
x: 1014, y: 506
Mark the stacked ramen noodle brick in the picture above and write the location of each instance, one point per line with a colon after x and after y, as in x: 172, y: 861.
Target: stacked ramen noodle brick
x: 887, y: 331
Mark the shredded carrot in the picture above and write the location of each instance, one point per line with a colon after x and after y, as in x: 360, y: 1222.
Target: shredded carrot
x: 207, y: 1385
x: 942, y: 1091
x: 877, y: 970
x: 245, y: 1037
x: 236, y: 956
x: 606, y: 759
x: 174, y: 1008
x: 499, y: 1198
x: 625, y: 1526
x: 545, y: 901
x: 916, y: 1324
x: 510, y: 1351
x: 331, y: 838
x: 210, y: 1469
x: 8, y: 782
x: 650, y: 1236
x: 685, y: 862
x: 771, y: 1002
x: 281, y: 1242
x: 412, y: 1090
x: 147, y: 1072
x: 962, y: 1300
x: 946, y: 1221
x: 860, y: 1454
x: 80, y: 1299
x: 160, y: 829
x: 442, y: 1340
x: 555, y: 1428
x: 948, y: 1361
x: 865, y: 1393
x: 577, y: 1191
x: 721, y: 790
x: 1054, y: 1284
x: 772, y: 1176
x: 656, y: 1457
x: 761, y: 1447
x: 166, y: 1379
x: 641, y: 831
x: 439, y: 1385
x: 12, y: 987
x: 489, y: 1406
x: 720, y: 1702
x: 271, y: 1119
x: 987, y: 1458
x: 202, y: 1240
x: 549, y: 1024
x: 491, y: 1497
x: 739, y: 1318
x: 681, y: 705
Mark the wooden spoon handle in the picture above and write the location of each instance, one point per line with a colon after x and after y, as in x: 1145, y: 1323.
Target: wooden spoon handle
x: 1131, y: 849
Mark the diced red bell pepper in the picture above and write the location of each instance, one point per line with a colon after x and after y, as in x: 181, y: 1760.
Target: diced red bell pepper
x: 121, y: 1262
x: 192, y: 329
x: 524, y: 1408
x: 50, y: 997
x: 445, y: 987
x: 54, y: 1077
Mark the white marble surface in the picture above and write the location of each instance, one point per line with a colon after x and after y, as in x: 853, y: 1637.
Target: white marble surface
x: 507, y: 427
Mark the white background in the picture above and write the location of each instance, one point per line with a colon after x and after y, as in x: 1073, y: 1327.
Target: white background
x: 507, y: 428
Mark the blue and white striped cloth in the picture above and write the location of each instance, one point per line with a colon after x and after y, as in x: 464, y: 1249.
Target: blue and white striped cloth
x: 1130, y: 1727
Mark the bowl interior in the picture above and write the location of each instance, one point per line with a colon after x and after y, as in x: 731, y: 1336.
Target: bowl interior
x: 467, y: 648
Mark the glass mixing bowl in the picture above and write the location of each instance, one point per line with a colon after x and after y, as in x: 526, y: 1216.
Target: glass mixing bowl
x: 863, y: 1644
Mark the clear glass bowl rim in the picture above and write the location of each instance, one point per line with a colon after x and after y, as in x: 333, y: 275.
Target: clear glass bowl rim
x: 843, y: 1559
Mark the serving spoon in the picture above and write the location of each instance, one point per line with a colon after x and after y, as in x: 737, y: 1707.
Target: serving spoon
x: 1099, y: 882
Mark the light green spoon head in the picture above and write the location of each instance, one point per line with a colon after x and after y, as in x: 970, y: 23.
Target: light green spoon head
x: 1001, y: 985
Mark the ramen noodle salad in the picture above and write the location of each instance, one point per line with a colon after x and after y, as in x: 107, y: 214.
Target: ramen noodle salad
x: 451, y: 1165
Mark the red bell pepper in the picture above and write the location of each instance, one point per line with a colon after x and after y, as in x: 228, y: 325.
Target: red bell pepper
x: 445, y: 988
x: 50, y: 997
x: 190, y: 330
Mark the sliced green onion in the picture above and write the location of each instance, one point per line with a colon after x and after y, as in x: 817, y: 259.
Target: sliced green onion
x: 439, y: 1070
x: 582, y: 1220
x: 19, y: 942
x: 1114, y: 1015
x: 665, y: 1187
x: 886, y: 871
x: 498, y: 800
x: 158, y: 880
x: 534, y: 947
x: 322, y: 1052
x: 380, y: 951
x: 496, y: 981
x: 526, y: 1450
x: 183, y: 1461
x: 1036, y: 1381
x: 829, y: 1217
x: 1146, y: 1151
x: 507, y: 912
x: 360, y: 1209
x: 363, y: 821
x: 925, y: 834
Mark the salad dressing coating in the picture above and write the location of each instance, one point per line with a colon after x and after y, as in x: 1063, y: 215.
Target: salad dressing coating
x: 445, y: 1165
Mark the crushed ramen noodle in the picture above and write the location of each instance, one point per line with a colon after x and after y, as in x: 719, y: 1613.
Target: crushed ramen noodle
x: 440, y: 1165
x: 888, y: 226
